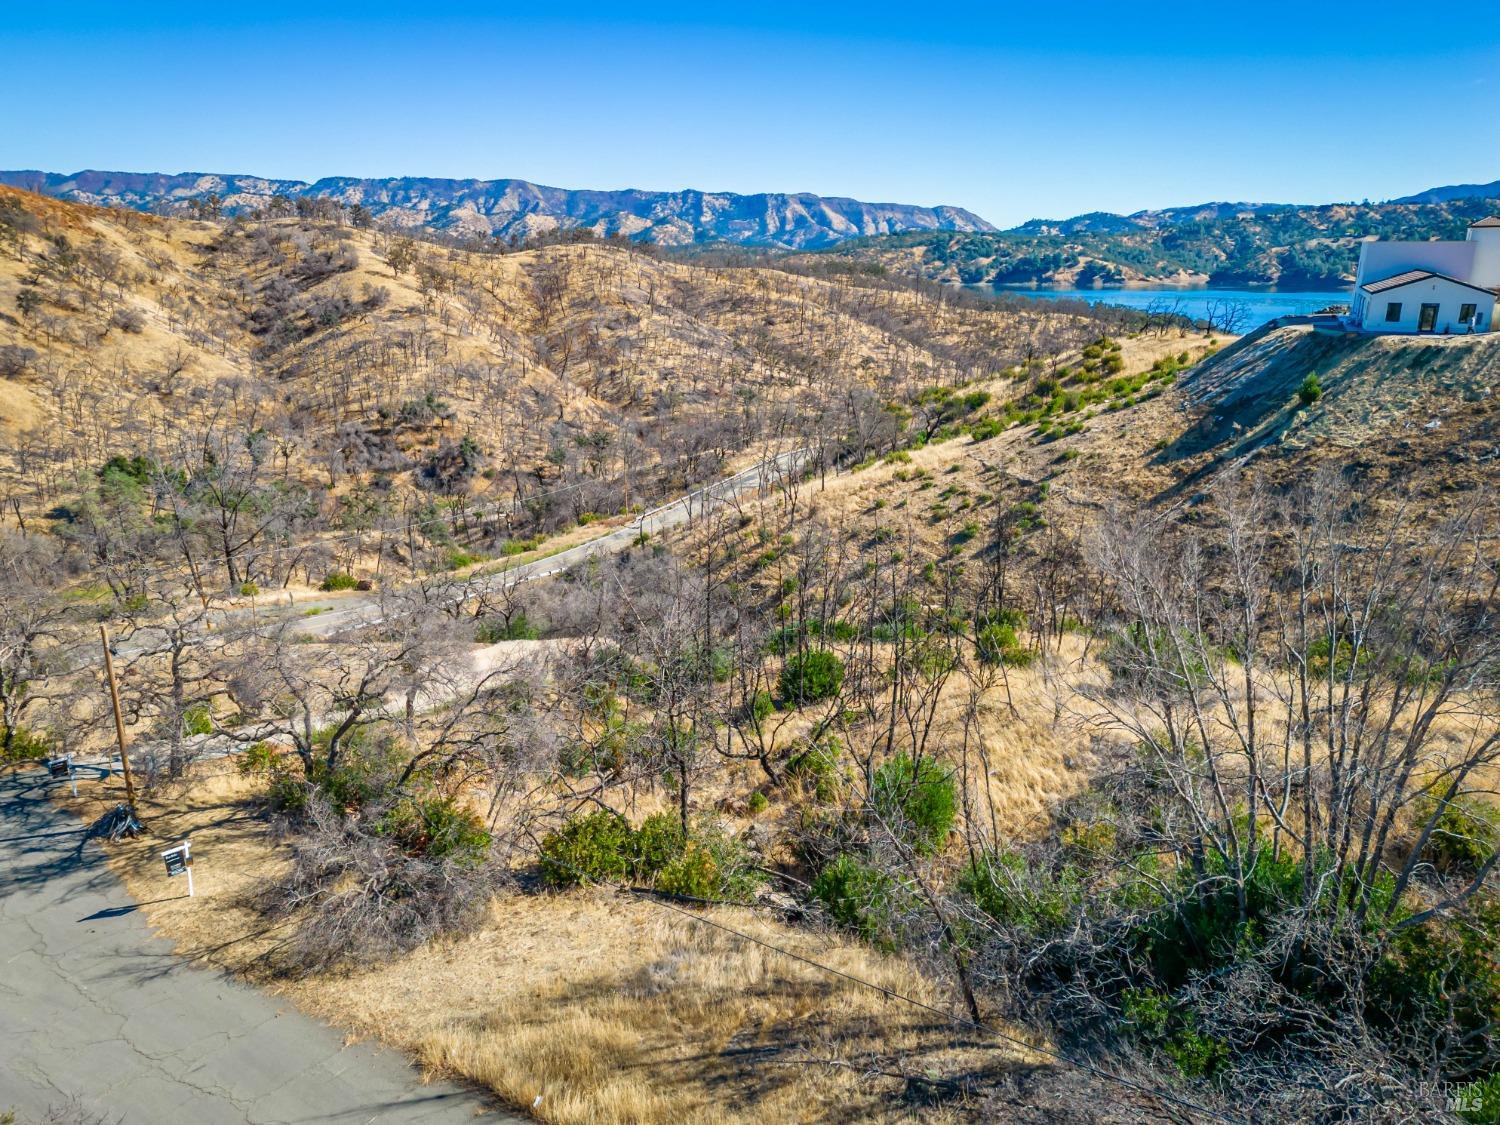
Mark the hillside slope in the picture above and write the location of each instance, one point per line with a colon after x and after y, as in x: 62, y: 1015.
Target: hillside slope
x: 513, y: 209
x: 583, y: 372
x: 1218, y: 244
x: 1419, y: 413
x: 1404, y: 417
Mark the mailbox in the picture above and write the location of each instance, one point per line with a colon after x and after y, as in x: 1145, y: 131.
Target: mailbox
x: 60, y: 768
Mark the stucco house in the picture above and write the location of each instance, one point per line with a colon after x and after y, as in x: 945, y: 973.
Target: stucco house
x: 1429, y: 287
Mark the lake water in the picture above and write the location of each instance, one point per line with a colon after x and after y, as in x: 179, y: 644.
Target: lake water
x: 1260, y: 305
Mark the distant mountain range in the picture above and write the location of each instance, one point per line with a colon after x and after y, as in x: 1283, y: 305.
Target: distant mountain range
x: 518, y: 208
x: 1232, y: 244
x: 1222, y: 243
x: 1453, y: 191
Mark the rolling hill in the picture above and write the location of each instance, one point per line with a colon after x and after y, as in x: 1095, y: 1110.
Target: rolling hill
x: 1232, y: 244
x: 589, y: 373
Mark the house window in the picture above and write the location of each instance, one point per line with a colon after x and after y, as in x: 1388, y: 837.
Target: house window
x: 1393, y: 312
x: 1466, y: 313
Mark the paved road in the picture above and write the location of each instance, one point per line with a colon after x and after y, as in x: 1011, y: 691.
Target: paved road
x: 333, y: 615
x: 352, y: 611
x: 93, y: 1006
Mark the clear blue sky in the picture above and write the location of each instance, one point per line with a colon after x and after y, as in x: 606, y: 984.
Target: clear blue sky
x: 1013, y: 111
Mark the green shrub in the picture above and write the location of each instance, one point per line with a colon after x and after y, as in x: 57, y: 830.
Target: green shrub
x: 259, y: 759
x: 598, y: 846
x: 1438, y: 975
x: 1310, y: 391
x: 1090, y: 840
x: 249, y: 590
x: 197, y: 720
x: 817, y: 769
x: 520, y: 546
x: 493, y: 629
x: 436, y: 827
x: 811, y: 676
x: 288, y: 794
x: 456, y: 559
x: 26, y: 746
x: 720, y: 664
x: 1462, y: 836
x: 917, y: 796
x: 998, y: 644
x: 694, y: 874
x: 986, y: 428
x: 1004, y: 615
x: 1001, y: 884
x: 1478, y: 1102
x: 757, y: 803
x: 975, y: 399
x: 761, y: 707
x: 338, y: 581
x: 861, y: 898
x: 1324, y: 656
x: 366, y: 771
x: 657, y: 843
x: 738, y: 867
x: 1154, y: 1019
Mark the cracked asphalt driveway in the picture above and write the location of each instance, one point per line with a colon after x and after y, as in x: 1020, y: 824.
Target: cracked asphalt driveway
x: 94, y: 1006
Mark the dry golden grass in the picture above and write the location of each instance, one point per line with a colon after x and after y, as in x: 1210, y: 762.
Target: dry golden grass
x: 604, y: 1006
x: 19, y: 408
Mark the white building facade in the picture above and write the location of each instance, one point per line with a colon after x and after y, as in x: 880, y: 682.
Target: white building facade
x: 1442, y: 288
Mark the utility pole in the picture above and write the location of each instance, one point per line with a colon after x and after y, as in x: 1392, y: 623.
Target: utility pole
x: 114, y: 699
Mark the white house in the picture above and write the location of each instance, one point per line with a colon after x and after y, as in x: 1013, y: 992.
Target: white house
x: 1429, y: 287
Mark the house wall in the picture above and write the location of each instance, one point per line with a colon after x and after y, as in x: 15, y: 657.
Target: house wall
x: 1445, y: 294
x: 1379, y: 260
x: 1486, y: 268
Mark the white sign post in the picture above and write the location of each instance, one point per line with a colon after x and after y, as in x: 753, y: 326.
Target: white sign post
x: 179, y: 861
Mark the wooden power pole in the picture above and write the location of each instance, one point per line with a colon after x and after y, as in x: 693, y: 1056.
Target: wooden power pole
x: 114, y: 699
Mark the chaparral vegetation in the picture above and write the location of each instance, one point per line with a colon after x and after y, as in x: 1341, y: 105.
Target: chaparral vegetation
x: 698, y: 690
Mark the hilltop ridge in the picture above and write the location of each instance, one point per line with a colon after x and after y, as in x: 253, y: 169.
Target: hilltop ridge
x: 511, y: 208
x: 1224, y: 244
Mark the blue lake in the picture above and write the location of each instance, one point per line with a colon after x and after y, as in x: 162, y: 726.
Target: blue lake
x: 1260, y: 305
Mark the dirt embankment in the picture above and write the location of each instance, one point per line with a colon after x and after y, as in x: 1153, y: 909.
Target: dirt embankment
x: 1422, y: 409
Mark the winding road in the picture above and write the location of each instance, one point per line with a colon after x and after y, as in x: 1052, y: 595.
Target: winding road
x: 96, y: 1008
x: 336, y: 616
x: 97, y: 1011
x: 324, y: 617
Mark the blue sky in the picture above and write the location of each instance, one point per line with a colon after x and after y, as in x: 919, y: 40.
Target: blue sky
x: 1014, y: 111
